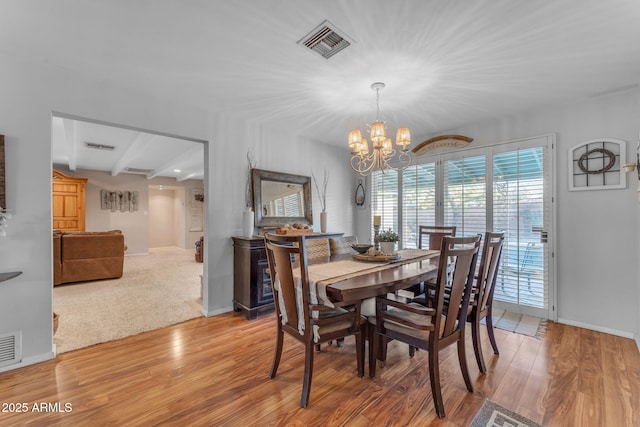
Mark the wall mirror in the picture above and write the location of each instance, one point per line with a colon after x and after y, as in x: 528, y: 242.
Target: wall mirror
x: 281, y: 198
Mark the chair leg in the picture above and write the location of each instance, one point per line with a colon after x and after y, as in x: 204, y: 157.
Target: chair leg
x: 308, y: 372
x: 434, y: 376
x: 412, y: 351
x: 492, y: 338
x: 360, y: 338
x: 462, y: 358
x: 373, y: 346
x: 477, y: 346
x: 278, y: 353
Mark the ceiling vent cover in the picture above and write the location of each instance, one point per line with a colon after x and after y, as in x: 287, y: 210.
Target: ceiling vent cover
x: 99, y: 146
x: 326, y: 40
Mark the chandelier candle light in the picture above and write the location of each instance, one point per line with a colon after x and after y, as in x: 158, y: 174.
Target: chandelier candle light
x: 364, y: 160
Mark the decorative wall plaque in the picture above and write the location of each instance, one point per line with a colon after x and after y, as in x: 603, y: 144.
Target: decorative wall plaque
x: 442, y: 141
x: 597, y: 165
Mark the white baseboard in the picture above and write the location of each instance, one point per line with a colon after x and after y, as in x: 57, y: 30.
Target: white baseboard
x: 29, y: 361
x: 625, y: 334
x: 216, y: 311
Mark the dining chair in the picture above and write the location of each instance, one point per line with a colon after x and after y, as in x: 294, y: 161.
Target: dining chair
x: 342, y: 245
x: 430, y: 236
x: 482, y: 300
x: 298, y: 315
x: 433, y: 328
x: 318, y: 249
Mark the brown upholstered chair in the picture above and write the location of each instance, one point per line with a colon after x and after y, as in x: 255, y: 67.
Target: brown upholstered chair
x: 433, y: 328
x: 303, y: 319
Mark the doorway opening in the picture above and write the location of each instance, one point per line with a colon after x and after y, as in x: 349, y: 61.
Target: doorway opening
x: 161, y: 283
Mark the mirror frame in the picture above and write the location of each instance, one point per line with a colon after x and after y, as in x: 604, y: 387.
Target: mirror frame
x: 3, y: 195
x: 259, y: 175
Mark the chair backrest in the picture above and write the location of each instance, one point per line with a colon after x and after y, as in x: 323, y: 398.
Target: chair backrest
x: 432, y: 235
x: 318, y: 249
x: 342, y: 245
x: 286, y: 254
x: 486, y: 279
x: 456, y: 269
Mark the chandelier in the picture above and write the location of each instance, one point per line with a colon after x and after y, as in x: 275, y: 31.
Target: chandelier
x: 364, y: 160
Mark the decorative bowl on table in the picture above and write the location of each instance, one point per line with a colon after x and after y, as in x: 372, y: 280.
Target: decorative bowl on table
x: 362, y: 248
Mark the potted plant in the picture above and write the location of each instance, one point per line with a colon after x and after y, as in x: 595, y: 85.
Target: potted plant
x: 387, y: 240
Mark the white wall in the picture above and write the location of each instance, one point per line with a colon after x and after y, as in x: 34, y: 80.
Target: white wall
x: 32, y: 91
x: 162, y: 218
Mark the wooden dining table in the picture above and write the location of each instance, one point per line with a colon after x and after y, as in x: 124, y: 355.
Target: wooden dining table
x: 375, y: 278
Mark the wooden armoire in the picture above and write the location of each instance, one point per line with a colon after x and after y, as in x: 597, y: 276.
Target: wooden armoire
x: 68, y: 202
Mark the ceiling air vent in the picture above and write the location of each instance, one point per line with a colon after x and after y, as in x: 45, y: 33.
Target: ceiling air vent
x: 138, y: 171
x: 99, y: 146
x: 326, y: 40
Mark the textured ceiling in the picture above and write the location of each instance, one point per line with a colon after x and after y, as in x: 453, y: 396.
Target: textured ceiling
x: 445, y: 62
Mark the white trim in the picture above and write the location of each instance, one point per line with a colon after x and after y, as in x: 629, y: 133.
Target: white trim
x: 624, y: 334
x: 217, y: 311
x: 29, y: 361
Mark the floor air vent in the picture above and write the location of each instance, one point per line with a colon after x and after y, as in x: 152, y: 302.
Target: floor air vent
x: 326, y: 40
x: 10, y: 348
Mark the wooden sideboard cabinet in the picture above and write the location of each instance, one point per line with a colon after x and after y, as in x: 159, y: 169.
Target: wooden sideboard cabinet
x: 251, y: 279
x: 252, y: 292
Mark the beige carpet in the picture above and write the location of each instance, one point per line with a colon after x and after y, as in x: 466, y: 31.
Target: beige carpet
x: 156, y: 290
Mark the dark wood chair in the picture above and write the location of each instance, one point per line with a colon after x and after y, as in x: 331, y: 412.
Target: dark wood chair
x: 434, y: 328
x: 482, y: 301
x: 430, y: 236
x: 306, y: 321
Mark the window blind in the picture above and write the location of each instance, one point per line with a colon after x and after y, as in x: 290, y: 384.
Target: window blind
x: 384, y: 199
x: 465, y: 195
x: 518, y: 210
x: 418, y: 201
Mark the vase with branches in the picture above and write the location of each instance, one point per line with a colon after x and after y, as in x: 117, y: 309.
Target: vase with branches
x: 248, y: 216
x: 248, y: 194
x: 322, y: 195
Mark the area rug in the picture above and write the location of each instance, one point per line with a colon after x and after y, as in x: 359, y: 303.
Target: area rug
x: 493, y: 415
x: 519, y: 323
x: 156, y: 290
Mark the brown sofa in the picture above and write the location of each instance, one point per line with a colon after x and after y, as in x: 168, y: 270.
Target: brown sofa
x: 80, y: 255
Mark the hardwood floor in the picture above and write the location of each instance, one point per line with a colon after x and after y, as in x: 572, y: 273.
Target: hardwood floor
x: 215, y: 371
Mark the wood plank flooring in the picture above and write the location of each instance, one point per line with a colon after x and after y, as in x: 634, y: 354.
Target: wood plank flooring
x: 214, y: 371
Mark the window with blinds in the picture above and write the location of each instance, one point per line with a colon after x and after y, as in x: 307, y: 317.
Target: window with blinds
x: 418, y: 201
x: 518, y: 210
x: 465, y: 195
x: 384, y: 199
x: 505, y: 187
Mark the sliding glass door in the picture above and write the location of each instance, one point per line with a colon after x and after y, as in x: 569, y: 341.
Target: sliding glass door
x: 505, y: 187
